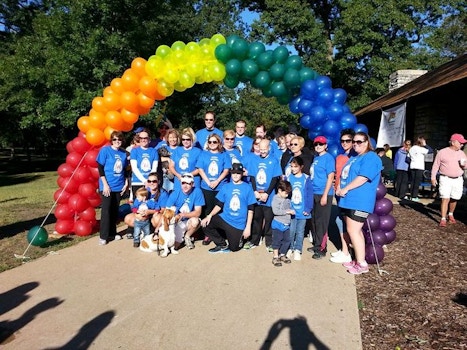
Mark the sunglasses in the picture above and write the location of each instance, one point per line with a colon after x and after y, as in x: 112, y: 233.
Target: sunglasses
x: 212, y: 142
x: 229, y: 138
x: 152, y: 181
x: 209, y: 120
x: 346, y: 141
x: 358, y: 142
x: 186, y: 183
x: 294, y: 144
x: 117, y: 140
x: 318, y: 144
x: 186, y: 139
x: 144, y: 138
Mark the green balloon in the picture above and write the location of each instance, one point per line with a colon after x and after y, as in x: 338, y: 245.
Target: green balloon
x: 223, y: 53
x: 307, y: 74
x: 294, y: 62
x: 37, y: 236
x: 278, y: 89
x: 284, y: 99
x: 261, y: 80
x: 233, y: 67
x: 249, y: 68
x: 267, y: 92
x: 231, y: 39
x: 265, y: 60
x: 281, y: 54
x: 240, y: 49
x: 291, y: 78
x: 256, y: 48
x: 277, y: 71
x: 230, y: 81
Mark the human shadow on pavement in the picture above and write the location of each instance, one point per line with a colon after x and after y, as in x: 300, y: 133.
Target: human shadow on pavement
x: 12, y: 298
x: 8, y: 328
x: 300, y: 335
x: 88, y: 333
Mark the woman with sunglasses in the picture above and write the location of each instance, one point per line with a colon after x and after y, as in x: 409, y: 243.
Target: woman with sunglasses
x: 230, y: 148
x: 213, y: 165
x: 112, y: 164
x: 183, y: 158
x: 357, y: 191
x: 296, y: 148
x: 322, y: 172
x: 165, y: 150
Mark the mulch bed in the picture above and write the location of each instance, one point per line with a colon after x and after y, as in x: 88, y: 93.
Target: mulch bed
x: 422, y: 302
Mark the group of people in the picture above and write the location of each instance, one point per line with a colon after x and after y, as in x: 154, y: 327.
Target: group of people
x: 238, y: 192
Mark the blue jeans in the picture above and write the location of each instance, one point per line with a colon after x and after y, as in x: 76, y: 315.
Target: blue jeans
x: 281, y: 240
x: 141, y: 226
x: 297, y: 232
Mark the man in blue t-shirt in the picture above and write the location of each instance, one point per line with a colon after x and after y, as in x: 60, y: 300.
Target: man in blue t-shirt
x: 235, y: 203
x: 203, y: 134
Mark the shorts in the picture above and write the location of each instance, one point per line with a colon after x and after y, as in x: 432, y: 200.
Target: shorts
x: 181, y: 227
x: 451, y: 188
x: 356, y: 215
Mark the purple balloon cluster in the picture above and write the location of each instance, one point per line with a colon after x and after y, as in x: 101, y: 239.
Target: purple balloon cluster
x: 379, y: 226
x: 324, y: 111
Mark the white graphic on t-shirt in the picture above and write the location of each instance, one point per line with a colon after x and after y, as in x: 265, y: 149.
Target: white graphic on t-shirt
x: 184, y: 208
x: 118, y: 167
x: 345, y: 172
x: 213, y: 168
x: 312, y: 172
x: 261, y: 177
x: 296, y: 196
x: 145, y: 165
x: 142, y: 207
x: 183, y: 163
x: 234, y: 203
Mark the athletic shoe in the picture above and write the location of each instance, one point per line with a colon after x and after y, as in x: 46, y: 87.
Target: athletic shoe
x: 135, y: 244
x: 358, y: 269
x: 415, y: 199
x: 312, y: 249
x: 206, y: 241
x: 129, y: 236
x: 318, y: 255
x: 342, y: 258
x: 289, y: 254
x: 117, y: 237
x: 285, y: 259
x: 442, y: 223
x: 276, y: 261
x: 339, y: 252
x: 188, y: 243
x: 220, y: 249
x: 349, y: 264
x: 269, y: 249
x: 249, y: 245
x: 297, y: 255
x: 451, y: 219
x: 102, y: 242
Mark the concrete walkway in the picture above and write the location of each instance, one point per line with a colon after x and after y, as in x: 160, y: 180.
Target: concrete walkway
x: 117, y: 297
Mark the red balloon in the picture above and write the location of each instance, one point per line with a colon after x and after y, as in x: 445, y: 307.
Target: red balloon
x: 65, y: 170
x: 83, y: 175
x: 95, y: 173
x: 82, y: 228
x: 87, y: 189
x: 80, y: 145
x: 63, y: 211
x: 95, y: 200
x: 69, y: 147
x: 78, y: 203
x: 90, y: 157
x: 89, y: 214
x: 61, y: 196
x: 64, y: 227
x: 73, y: 159
x: 69, y: 184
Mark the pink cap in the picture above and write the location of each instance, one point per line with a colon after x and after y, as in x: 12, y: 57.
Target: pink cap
x: 458, y: 137
x: 320, y: 139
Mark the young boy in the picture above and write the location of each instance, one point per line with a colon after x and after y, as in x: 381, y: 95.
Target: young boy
x: 281, y: 223
x: 140, y: 207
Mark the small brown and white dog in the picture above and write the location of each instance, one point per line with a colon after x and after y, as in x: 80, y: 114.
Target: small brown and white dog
x: 167, y: 233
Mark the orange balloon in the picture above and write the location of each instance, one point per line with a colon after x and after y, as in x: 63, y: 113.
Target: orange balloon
x: 84, y: 124
x: 129, y: 101
x: 138, y: 65
x: 108, y: 131
x: 112, y: 101
x: 130, y: 80
x: 108, y: 90
x: 95, y: 137
x: 127, y: 127
x: 145, y: 101
x: 117, y: 85
x: 143, y: 111
x: 114, y: 119
x: 148, y: 86
x: 99, y: 105
x: 97, y: 119
x: 129, y: 117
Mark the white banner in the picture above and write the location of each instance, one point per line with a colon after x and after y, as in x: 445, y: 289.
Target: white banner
x: 392, y: 127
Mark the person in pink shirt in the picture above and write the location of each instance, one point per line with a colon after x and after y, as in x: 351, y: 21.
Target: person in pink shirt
x: 450, y: 162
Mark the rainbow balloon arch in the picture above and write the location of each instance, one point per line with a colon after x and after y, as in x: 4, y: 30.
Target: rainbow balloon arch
x: 179, y: 67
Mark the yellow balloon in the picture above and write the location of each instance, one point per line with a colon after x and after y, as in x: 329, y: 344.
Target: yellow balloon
x: 178, y: 46
x: 163, y: 50
x: 155, y: 67
x: 164, y: 88
x: 204, y: 42
x: 218, y: 39
x: 178, y: 87
x: 206, y: 75
x: 186, y: 80
x: 194, y: 69
x: 217, y: 71
x: 192, y: 48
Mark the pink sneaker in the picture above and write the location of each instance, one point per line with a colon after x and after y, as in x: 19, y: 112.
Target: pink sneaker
x: 358, y: 269
x: 451, y: 219
x: 349, y: 264
x: 442, y: 223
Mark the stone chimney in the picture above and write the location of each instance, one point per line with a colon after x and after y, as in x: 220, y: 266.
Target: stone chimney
x: 402, y: 77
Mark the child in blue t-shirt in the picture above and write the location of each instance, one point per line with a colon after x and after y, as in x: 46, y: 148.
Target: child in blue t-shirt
x: 140, y: 207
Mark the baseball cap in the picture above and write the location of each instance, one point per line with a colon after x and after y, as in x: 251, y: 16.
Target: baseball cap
x: 187, y: 177
x: 138, y: 130
x: 237, y: 168
x: 320, y: 139
x: 458, y: 137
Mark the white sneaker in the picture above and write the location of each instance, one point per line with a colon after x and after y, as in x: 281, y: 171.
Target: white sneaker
x: 102, y: 242
x: 118, y: 237
x: 342, y: 258
x: 289, y: 254
x: 297, y: 255
x: 339, y: 252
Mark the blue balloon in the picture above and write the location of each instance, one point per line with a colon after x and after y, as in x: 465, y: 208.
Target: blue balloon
x: 305, y: 105
x: 334, y: 111
x: 305, y: 121
x: 325, y: 96
x: 339, y: 96
x: 318, y: 112
x: 323, y: 82
x: 313, y: 133
x: 293, y: 105
x: 331, y: 128
x: 360, y: 128
x: 373, y: 142
x: 346, y: 109
x: 309, y: 89
x: 348, y: 121
x: 334, y: 150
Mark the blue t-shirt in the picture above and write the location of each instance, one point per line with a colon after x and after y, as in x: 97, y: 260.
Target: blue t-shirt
x: 114, y: 163
x: 151, y: 204
x: 322, y: 166
x: 234, y: 155
x: 243, y: 143
x: 302, y: 195
x: 236, y: 199
x: 203, y: 134
x: 185, y: 203
x: 213, y: 165
x: 363, y: 197
x: 145, y: 159
x: 264, y: 170
x: 185, y: 162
